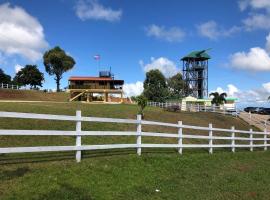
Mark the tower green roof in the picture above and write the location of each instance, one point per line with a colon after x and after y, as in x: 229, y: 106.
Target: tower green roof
x: 197, y: 55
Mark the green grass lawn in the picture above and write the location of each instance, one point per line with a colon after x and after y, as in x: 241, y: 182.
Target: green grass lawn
x: 121, y: 174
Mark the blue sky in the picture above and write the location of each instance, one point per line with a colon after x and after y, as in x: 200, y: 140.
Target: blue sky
x: 135, y: 36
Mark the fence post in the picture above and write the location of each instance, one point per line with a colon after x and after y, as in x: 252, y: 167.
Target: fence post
x: 78, y: 137
x: 233, y: 139
x: 2, y: 85
x: 180, y: 137
x: 265, y: 139
x: 251, y: 140
x: 139, y: 134
x: 210, y: 139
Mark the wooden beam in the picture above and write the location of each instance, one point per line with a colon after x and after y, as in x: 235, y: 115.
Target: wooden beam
x: 77, y: 96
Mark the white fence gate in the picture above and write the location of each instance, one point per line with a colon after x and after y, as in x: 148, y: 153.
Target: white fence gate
x: 249, y: 136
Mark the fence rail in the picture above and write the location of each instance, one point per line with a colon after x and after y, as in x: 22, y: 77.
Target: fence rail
x: 254, y: 136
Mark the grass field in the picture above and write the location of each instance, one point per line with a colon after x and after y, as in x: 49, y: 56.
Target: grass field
x: 121, y: 174
x: 32, y: 95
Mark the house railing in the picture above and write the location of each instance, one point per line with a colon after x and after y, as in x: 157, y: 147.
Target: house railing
x: 94, y: 87
x: 253, y: 139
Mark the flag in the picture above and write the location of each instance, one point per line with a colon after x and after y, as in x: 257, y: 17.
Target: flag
x: 97, y: 57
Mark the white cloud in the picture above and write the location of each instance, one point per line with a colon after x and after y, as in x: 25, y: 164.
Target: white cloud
x: 267, y: 45
x: 213, y: 31
x: 231, y: 90
x: 173, y: 34
x: 266, y: 86
x: 256, y: 59
x: 166, y: 66
x: 243, y: 4
x: 133, y: 89
x: 92, y: 9
x: 257, y: 21
x: 257, y: 94
x: 254, y: 4
x: 20, y: 33
x: 18, y: 68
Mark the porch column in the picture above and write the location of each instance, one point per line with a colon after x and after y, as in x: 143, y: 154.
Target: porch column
x: 121, y: 97
x: 87, y: 97
x: 105, y: 97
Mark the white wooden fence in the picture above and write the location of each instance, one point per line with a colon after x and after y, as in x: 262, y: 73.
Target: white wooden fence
x: 196, y: 107
x: 14, y: 87
x: 9, y: 86
x: 249, y: 136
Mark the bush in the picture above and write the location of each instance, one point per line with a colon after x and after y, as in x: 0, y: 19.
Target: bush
x: 142, y: 103
x: 173, y: 108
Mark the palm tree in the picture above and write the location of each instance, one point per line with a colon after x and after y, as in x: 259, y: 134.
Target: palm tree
x: 218, y: 98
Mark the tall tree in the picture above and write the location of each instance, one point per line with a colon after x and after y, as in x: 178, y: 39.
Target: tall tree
x: 4, y: 78
x: 29, y: 75
x: 176, y: 85
x: 155, y: 86
x: 218, y: 98
x: 57, y: 62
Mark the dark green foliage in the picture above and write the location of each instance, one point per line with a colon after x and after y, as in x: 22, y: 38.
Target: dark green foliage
x: 176, y: 86
x: 29, y: 75
x: 142, y: 103
x: 218, y: 98
x: 155, y: 86
x: 57, y: 62
x: 134, y: 98
x: 4, y: 78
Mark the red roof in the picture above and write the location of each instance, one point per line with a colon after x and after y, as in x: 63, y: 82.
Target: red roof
x: 89, y: 78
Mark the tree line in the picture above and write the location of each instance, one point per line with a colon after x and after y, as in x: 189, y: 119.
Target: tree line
x: 56, y: 63
x: 158, y: 88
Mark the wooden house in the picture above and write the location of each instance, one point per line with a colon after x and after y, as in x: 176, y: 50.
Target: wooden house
x: 83, y: 88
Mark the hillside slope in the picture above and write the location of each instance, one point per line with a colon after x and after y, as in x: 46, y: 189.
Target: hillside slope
x: 121, y: 174
x: 32, y: 95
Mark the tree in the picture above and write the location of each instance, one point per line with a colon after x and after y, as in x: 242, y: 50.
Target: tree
x: 176, y: 86
x: 218, y: 98
x: 155, y: 86
x: 4, y: 78
x: 142, y: 103
x: 57, y: 62
x: 29, y: 75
